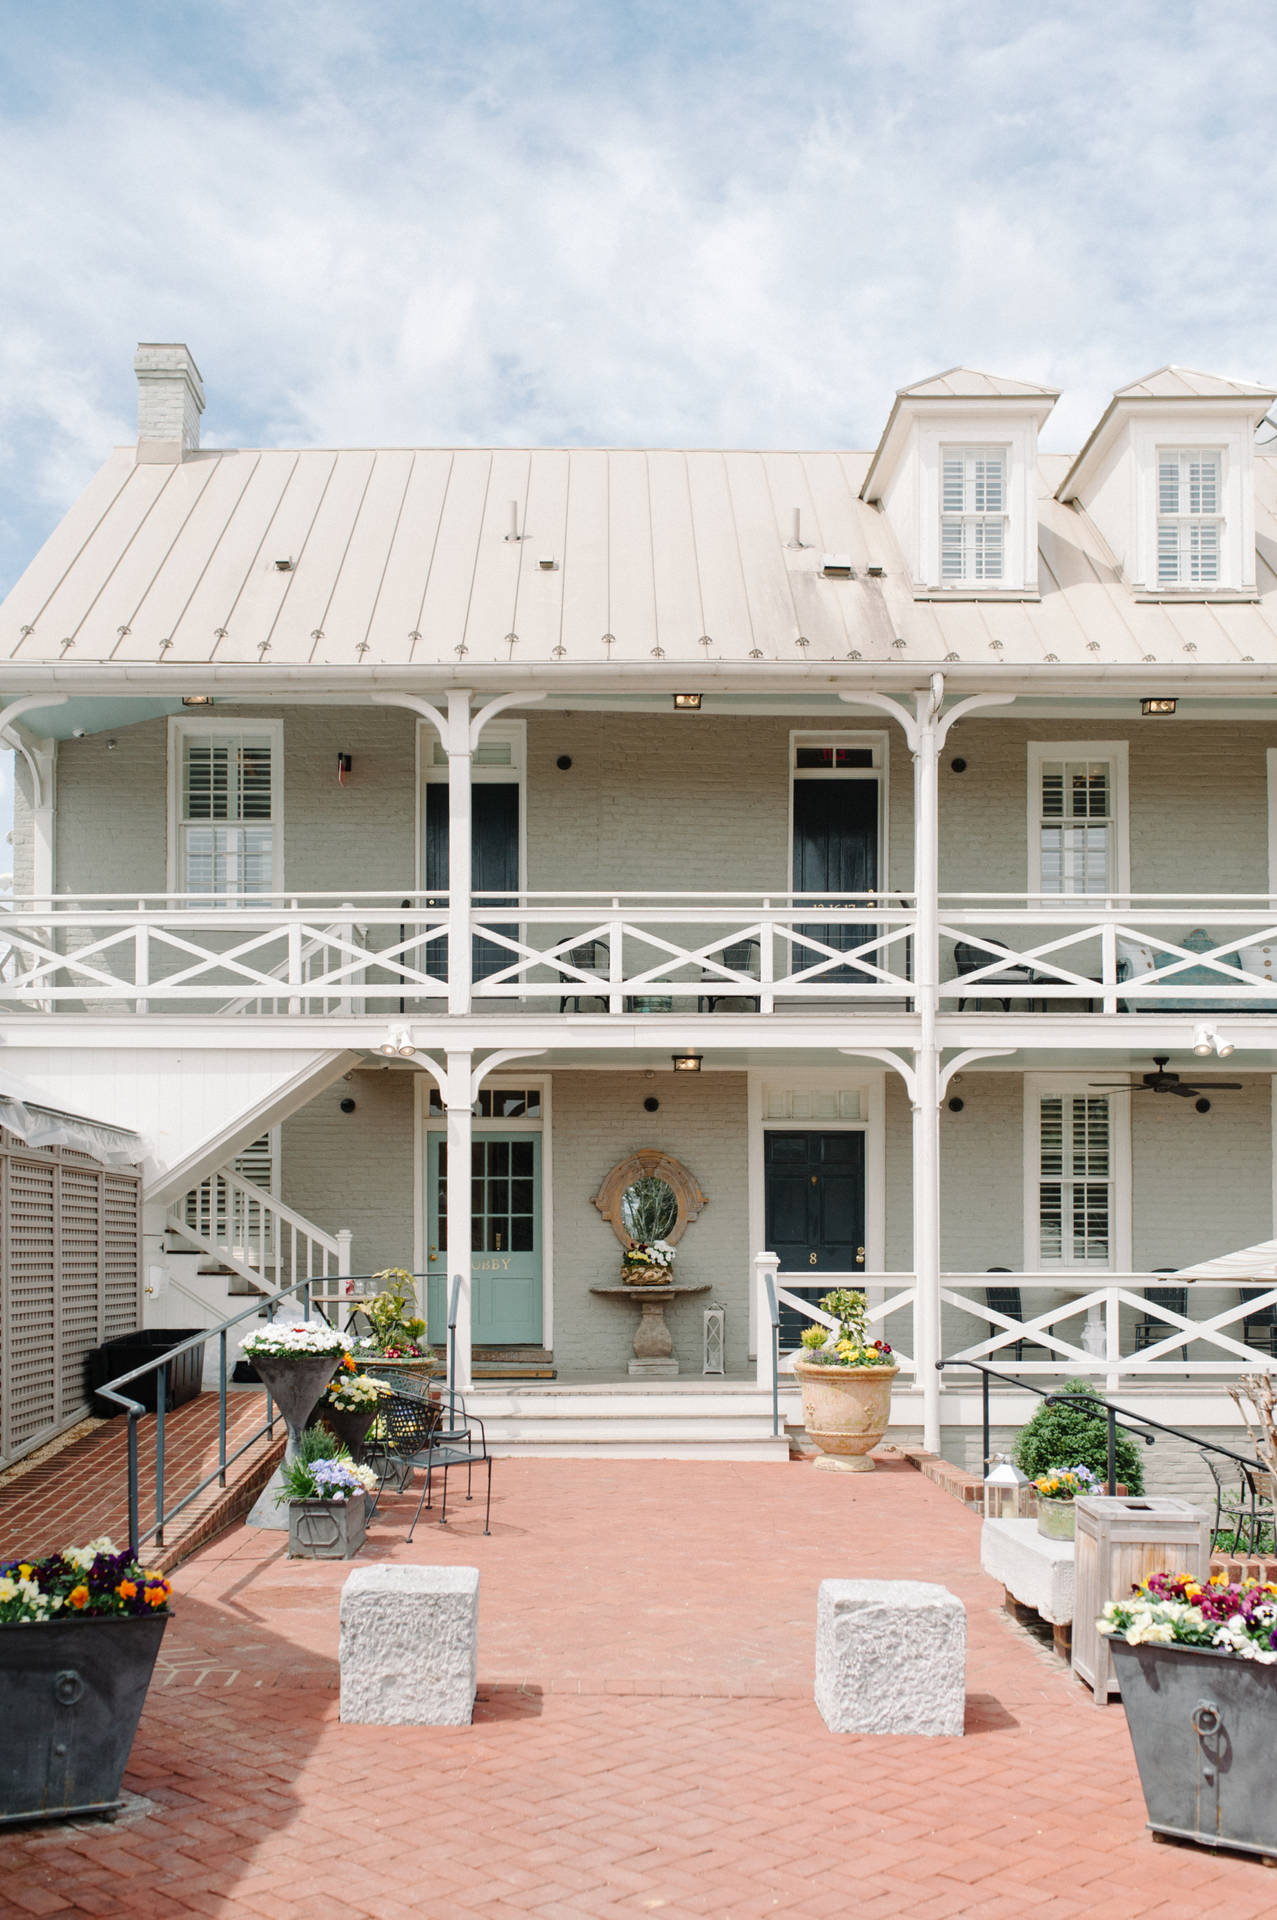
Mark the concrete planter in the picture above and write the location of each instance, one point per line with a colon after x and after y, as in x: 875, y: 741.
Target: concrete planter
x: 326, y: 1529
x: 72, y: 1693
x: 350, y: 1424
x: 295, y: 1382
x: 1201, y: 1724
x: 846, y: 1411
x: 1057, y: 1519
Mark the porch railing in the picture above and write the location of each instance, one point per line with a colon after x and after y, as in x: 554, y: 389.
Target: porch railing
x: 1114, y: 1327
x: 258, y: 1236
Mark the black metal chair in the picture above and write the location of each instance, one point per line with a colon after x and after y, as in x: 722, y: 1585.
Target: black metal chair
x: 591, y: 957
x: 1259, y: 1329
x: 401, y: 1437
x: 970, y: 959
x: 1008, y: 1302
x: 1237, y: 1506
x: 459, y: 1440
x: 742, y: 956
x: 1148, y: 1330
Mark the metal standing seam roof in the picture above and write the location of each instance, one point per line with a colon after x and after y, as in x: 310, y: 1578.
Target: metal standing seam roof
x: 400, y: 556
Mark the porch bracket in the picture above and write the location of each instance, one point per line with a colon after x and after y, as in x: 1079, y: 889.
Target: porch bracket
x: 888, y: 1059
x: 11, y: 736
x: 961, y: 1060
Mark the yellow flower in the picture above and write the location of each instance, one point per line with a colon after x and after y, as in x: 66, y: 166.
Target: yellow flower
x: 24, y: 1572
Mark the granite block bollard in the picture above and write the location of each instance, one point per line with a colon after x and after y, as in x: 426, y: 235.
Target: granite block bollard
x: 891, y: 1657
x: 410, y: 1646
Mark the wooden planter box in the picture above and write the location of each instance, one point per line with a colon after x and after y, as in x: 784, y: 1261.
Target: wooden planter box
x: 1120, y: 1541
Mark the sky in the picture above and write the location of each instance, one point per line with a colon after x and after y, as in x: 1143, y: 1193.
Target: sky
x: 702, y: 222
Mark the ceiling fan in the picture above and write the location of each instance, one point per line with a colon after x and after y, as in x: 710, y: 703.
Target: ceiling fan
x: 1162, y: 1082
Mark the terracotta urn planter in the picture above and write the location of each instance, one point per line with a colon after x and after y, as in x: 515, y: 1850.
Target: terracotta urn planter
x: 846, y: 1411
x: 633, y: 1276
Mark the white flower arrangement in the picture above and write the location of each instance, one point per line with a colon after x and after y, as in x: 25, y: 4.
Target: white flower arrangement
x: 283, y: 1339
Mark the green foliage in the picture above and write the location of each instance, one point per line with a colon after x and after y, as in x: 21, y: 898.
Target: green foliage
x: 316, y: 1443
x: 849, y: 1308
x: 814, y: 1336
x: 394, y: 1328
x: 1063, y: 1436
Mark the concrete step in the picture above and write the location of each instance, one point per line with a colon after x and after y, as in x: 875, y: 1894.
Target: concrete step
x: 641, y: 1421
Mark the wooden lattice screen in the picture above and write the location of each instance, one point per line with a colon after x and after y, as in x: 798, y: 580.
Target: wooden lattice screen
x: 70, y: 1277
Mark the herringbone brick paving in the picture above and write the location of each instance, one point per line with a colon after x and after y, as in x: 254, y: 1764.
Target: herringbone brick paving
x: 644, y: 1742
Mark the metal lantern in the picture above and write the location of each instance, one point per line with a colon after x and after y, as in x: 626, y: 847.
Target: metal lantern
x: 1006, y: 1490
x: 715, y: 1339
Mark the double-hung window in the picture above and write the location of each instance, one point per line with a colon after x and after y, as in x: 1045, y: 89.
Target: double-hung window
x: 226, y: 810
x: 1190, y: 526
x: 973, y: 514
x: 1077, y: 831
x: 1075, y: 1180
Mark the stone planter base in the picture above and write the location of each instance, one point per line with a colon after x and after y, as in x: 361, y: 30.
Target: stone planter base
x: 846, y: 1411
x: 326, y: 1529
x: 1057, y: 1519
x: 71, y: 1693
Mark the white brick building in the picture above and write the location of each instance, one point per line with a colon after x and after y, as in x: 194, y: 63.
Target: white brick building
x: 384, y: 805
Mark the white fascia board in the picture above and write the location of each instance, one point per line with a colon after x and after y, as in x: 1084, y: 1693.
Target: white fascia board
x: 1113, y: 421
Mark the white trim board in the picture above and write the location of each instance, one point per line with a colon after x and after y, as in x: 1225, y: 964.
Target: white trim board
x: 1036, y: 1085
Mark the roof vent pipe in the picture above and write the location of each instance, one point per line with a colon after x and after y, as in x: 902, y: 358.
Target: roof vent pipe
x: 170, y: 400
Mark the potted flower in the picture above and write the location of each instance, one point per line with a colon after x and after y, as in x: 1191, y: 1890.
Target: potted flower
x: 295, y: 1360
x: 1056, y: 1492
x: 350, y: 1404
x: 79, y: 1635
x: 846, y: 1384
x: 1198, y: 1672
x: 648, y: 1263
x: 326, y: 1494
x: 398, y: 1333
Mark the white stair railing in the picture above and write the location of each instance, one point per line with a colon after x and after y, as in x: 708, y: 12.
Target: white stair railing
x: 248, y: 1230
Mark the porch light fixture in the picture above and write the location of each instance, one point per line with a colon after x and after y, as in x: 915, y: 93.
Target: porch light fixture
x: 397, y: 1044
x: 1152, y: 709
x: 1207, y: 1040
x: 687, y: 1062
x: 197, y: 699
x: 687, y: 702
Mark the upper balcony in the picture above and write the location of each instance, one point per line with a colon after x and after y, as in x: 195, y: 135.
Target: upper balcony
x: 377, y: 956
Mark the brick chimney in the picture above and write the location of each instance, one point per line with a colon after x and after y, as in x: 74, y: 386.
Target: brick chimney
x: 170, y: 400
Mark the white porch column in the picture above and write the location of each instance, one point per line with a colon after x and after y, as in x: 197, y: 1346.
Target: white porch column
x: 926, y: 1078
x: 457, y: 744
x: 458, y: 1100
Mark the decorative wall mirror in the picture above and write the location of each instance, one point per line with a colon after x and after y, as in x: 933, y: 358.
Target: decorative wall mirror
x: 649, y: 1196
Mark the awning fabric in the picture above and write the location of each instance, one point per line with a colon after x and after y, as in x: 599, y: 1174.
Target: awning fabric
x: 1248, y: 1263
x: 41, y: 1126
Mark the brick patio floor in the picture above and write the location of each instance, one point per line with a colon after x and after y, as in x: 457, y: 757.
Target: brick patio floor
x: 645, y: 1740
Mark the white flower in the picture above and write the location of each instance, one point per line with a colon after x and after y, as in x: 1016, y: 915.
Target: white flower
x: 281, y: 1338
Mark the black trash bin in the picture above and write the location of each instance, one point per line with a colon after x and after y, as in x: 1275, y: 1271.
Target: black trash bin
x: 182, y: 1376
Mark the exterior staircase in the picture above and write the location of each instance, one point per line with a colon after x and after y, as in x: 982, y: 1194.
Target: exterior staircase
x: 635, y: 1420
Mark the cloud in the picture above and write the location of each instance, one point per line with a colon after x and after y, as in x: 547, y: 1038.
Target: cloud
x: 740, y: 225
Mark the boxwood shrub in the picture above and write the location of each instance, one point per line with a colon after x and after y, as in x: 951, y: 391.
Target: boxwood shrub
x: 1063, y: 1436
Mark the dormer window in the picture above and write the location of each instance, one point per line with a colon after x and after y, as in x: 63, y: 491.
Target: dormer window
x: 973, y: 518
x: 1190, y: 525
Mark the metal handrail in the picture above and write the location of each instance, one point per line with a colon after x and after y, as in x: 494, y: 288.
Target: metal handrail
x: 135, y: 1410
x: 1055, y: 1397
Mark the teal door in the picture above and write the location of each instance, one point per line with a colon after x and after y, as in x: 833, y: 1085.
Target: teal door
x: 505, y: 1226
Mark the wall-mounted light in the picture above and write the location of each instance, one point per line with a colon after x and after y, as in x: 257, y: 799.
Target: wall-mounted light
x: 78, y: 733
x: 1152, y: 709
x: 1208, y: 1040
x: 347, y: 1105
x: 197, y: 699
x: 687, y: 1062
x: 687, y: 702
x: 397, y: 1044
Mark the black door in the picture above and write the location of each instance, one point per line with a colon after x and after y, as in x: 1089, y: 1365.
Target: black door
x: 494, y: 857
x: 814, y: 1187
x: 835, y: 851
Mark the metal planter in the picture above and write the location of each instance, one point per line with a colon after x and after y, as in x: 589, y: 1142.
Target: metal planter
x: 1201, y: 1724
x: 71, y: 1693
x: 326, y: 1529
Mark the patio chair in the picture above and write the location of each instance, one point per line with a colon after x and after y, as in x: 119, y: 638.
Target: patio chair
x: 591, y: 957
x: 970, y: 959
x: 1237, y: 1503
x: 459, y: 1440
x: 1259, y: 1329
x: 1008, y: 1302
x: 742, y: 956
x: 401, y: 1437
x: 1149, y: 1330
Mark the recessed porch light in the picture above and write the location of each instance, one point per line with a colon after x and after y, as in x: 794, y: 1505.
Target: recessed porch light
x: 687, y: 1062
x: 687, y: 702
x: 197, y: 699
x: 1152, y: 709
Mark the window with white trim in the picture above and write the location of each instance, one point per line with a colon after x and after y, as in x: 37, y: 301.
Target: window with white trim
x: 1077, y: 823
x: 1190, y: 524
x: 973, y: 514
x: 1075, y: 1180
x: 227, y: 801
